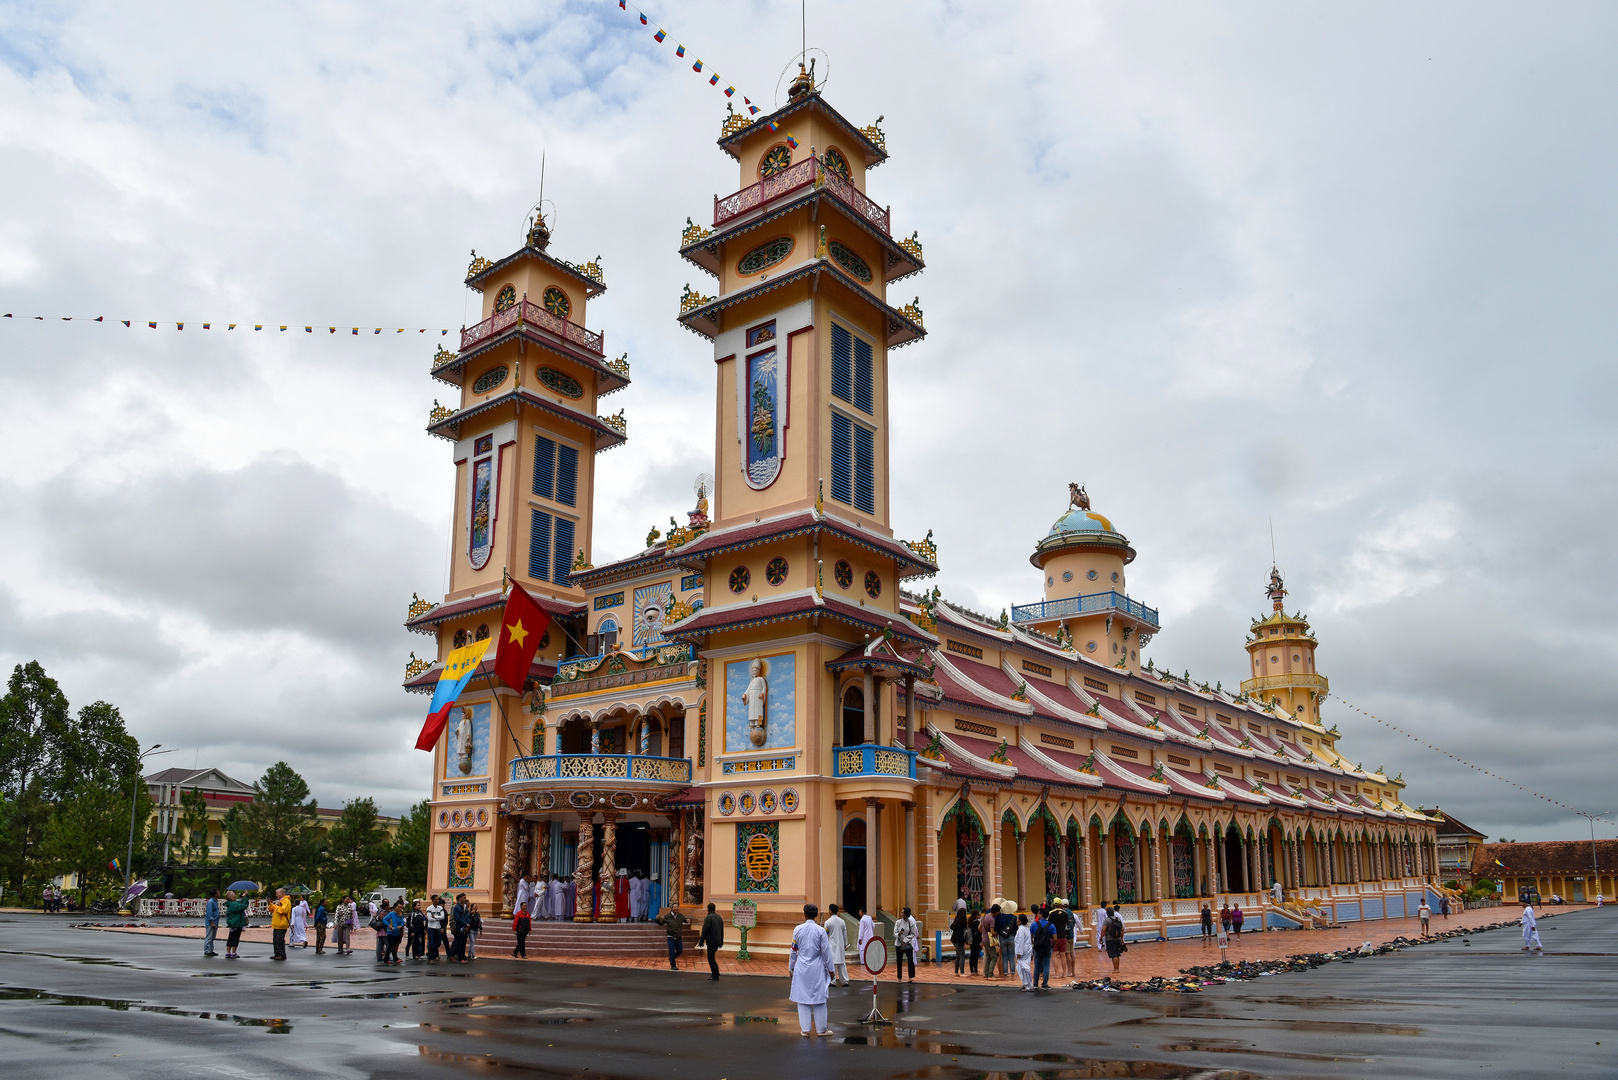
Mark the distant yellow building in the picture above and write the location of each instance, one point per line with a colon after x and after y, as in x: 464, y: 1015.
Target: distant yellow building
x: 752, y: 709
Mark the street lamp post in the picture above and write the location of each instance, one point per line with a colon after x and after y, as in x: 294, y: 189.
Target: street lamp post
x: 1595, y: 863
x: 134, y: 798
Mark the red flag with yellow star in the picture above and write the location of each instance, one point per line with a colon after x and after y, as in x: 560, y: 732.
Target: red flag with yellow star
x: 521, y: 627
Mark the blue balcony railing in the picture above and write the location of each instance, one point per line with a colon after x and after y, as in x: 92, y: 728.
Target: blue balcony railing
x: 873, y: 760
x: 629, y: 769
x: 1046, y: 610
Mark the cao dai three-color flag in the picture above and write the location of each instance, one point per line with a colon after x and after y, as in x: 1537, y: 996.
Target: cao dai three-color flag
x: 459, y: 667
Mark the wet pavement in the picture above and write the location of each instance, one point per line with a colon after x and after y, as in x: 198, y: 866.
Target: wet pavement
x: 84, y: 1003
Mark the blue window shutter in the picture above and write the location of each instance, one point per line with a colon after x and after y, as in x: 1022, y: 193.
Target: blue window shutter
x: 564, y: 550
x: 842, y: 364
x: 842, y: 458
x: 864, y: 469
x: 544, y: 467
x: 862, y: 375
x: 539, y: 546
x: 567, y: 476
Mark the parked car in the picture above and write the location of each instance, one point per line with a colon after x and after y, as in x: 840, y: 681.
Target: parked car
x: 385, y: 896
x: 1528, y: 895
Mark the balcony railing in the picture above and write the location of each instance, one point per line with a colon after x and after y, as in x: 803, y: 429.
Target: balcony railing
x: 1046, y: 610
x: 532, y: 314
x: 1296, y: 678
x: 625, y: 768
x: 873, y: 760
x: 803, y: 174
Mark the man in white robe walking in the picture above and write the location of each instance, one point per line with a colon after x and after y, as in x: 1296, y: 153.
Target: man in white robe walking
x: 299, y: 937
x: 1024, y: 949
x: 521, y: 899
x: 837, y: 933
x: 1530, y: 930
x: 810, y: 966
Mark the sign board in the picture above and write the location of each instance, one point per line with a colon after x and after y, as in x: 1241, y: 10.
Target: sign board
x: 744, y: 913
x: 876, y: 955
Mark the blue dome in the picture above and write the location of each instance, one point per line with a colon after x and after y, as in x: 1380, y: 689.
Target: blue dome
x: 1075, y: 521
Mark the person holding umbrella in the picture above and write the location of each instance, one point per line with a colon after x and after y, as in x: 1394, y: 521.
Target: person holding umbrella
x: 235, y: 921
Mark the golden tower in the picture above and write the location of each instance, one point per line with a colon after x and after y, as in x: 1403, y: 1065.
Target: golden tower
x: 1281, y: 661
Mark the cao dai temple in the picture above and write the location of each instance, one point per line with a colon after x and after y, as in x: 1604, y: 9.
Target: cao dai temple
x: 770, y: 704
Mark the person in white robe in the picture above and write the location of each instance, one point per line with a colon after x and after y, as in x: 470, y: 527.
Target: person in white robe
x: 837, y: 933
x: 810, y: 965
x: 637, y: 897
x: 1099, y: 918
x: 538, y: 897
x: 561, y: 899
x: 300, y: 924
x: 1530, y: 930
x: 1024, y: 950
x: 867, y: 932
x: 521, y: 899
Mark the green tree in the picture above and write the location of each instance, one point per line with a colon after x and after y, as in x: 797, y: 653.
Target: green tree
x: 34, y: 722
x: 86, y: 833
x: 407, y: 854
x: 193, y: 828
x: 276, y: 833
x: 355, y: 847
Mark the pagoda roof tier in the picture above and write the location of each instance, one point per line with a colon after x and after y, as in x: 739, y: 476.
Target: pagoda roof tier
x: 532, y: 323
x: 799, y: 523
x: 427, y: 681
x: 879, y: 654
x: 606, y: 436
x: 798, y: 605
x: 627, y: 567
x: 870, y: 140
x: 428, y: 622
x: 591, y: 283
x: 902, y: 328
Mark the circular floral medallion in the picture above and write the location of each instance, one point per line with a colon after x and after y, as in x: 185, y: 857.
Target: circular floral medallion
x: 740, y: 578
x: 443, y: 819
x: 873, y: 584
x: 849, y: 261
x: 789, y: 801
x: 1067, y: 575
x: 555, y: 302
x: 776, y: 159
x: 844, y: 573
x: 765, y: 255
x: 837, y: 163
x: 460, y: 639
x: 727, y: 804
x: 776, y: 572
x: 560, y: 382
x: 767, y: 801
x: 482, y: 634
x: 455, y: 818
x: 1090, y: 647
x: 483, y: 816
x: 490, y: 379
x: 747, y: 803
x: 507, y: 298
x: 1091, y: 575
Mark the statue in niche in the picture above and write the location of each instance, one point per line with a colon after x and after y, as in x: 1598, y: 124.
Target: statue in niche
x: 756, y: 697
x: 463, y: 741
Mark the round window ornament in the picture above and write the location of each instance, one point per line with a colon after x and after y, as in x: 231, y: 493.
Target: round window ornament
x: 505, y: 300
x: 1091, y: 575
x: 740, y: 578
x: 766, y: 255
x: 490, y: 379
x: 1067, y: 575
x: 777, y: 159
x: 837, y: 163
x: 873, y: 584
x: 845, y: 257
x: 1115, y: 575
x: 776, y: 572
x: 560, y: 382
x: 844, y: 574
x: 789, y: 800
x: 1090, y: 646
x: 747, y: 803
x: 727, y: 804
x: 767, y: 801
x: 555, y: 301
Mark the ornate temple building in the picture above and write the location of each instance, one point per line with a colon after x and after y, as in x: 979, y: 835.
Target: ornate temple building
x: 755, y: 708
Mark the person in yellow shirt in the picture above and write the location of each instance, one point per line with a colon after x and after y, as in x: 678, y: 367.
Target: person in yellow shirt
x: 280, y: 920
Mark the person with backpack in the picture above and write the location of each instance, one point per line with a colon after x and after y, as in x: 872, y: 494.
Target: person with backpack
x: 1044, y: 941
x: 905, y: 932
x: 1114, y: 934
x: 320, y: 921
x: 1062, y: 923
x: 991, y: 942
x: 416, y: 931
x: 473, y: 929
x: 1005, y: 928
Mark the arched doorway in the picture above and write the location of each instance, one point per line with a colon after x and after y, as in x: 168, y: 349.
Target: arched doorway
x: 1235, y: 865
x: 854, y: 865
x: 573, y: 737
x: 853, y: 716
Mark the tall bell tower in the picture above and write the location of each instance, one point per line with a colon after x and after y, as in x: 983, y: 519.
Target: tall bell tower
x: 1281, y: 660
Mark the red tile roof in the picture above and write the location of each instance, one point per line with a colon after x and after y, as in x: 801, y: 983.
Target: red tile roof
x: 1545, y: 858
x: 427, y: 681
x: 718, y: 541
x: 428, y: 622
x: 735, y: 616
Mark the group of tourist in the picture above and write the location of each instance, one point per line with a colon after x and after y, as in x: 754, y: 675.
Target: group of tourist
x: 422, y: 931
x: 636, y: 897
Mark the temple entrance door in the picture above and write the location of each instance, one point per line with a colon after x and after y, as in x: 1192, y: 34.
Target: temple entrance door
x: 573, y: 738
x: 854, y: 866
x: 1235, y: 865
x: 635, y: 848
x: 853, y: 717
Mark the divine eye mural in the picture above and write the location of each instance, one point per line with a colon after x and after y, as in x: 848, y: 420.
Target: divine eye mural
x: 760, y: 405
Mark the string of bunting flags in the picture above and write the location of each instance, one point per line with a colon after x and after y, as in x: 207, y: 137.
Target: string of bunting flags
x: 1453, y: 757
x: 661, y: 36
x: 154, y: 324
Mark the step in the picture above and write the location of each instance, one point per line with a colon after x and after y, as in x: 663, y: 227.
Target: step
x: 584, y: 939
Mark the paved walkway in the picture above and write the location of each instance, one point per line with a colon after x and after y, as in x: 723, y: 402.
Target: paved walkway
x: 1143, y: 960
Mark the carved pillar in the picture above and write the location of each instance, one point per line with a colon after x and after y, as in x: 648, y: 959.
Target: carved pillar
x: 645, y: 745
x: 693, y: 856
x: 609, y: 867
x: 584, y: 874
x: 542, y: 849
x: 868, y: 688
x: 1140, y: 864
x: 909, y: 898
x: 675, y: 892
x: 910, y: 710
x: 1061, y: 866
x: 1022, y: 872
x: 842, y: 823
x: 509, y: 871
x: 872, y: 893
x: 1221, y: 885
x: 595, y: 736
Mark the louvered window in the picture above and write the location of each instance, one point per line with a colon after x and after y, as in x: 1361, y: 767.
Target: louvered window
x: 564, y: 550
x: 842, y: 458
x: 567, y: 476
x: 862, y: 375
x: 544, y: 467
x: 842, y: 364
x: 539, y: 546
x: 864, y: 469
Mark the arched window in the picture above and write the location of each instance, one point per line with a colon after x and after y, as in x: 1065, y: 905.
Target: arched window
x: 607, y: 631
x: 853, y: 716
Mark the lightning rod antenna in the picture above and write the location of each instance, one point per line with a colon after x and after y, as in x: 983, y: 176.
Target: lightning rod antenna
x: 803, y: 31
x: 1272, y: 541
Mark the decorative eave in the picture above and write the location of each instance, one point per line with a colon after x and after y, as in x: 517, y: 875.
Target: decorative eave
x: 716, y: 542
x: 874, y: 153
x: 801, y: 604
x: 428, y: 622
x: 985, y: 696
x: 704, y: 319
x: 1079, y: 541
x: 982, y: 764
x: 878, y: 655
x: 427, y: 681
x: 1051, y: 707
x: 621, y: 569
x: 606, y: 436
x: 592, y: 286
x: 609, y: 378
x: 899, y: 262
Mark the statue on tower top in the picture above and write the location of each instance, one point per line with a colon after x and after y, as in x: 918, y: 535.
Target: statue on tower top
x: 1276, y: 591
x: 804, y: 82
x: 1077, y: 499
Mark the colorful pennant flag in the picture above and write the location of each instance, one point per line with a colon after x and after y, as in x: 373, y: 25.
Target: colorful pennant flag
x: 679, y: 50
x: 697, y: 66
x: 659, y: 36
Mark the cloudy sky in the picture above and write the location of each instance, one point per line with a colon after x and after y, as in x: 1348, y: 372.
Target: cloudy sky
x: 1340, y: 266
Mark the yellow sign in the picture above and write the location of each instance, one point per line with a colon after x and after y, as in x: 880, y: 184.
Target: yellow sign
x: 463, y: 859
x: 760, y: 858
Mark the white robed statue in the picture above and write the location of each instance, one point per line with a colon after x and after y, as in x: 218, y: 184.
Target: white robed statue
x: 810, y: 965
x: 756, y: 697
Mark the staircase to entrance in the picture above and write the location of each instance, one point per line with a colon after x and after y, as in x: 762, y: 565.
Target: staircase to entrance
x: 564, y: 939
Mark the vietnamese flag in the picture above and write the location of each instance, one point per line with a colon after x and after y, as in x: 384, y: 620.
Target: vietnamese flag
x: 459, y: 667
x: 521, y: 626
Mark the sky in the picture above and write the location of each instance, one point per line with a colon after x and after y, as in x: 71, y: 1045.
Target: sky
x: 1336, y: 268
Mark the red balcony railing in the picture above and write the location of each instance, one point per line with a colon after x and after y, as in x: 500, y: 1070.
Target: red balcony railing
x: 533, y: 315
x: 803, y: 174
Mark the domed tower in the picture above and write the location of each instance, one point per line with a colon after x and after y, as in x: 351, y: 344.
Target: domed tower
x: 1086, y: 603
x: 1281, y: 660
